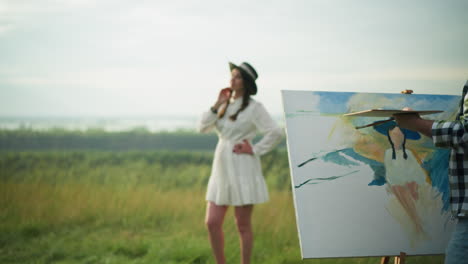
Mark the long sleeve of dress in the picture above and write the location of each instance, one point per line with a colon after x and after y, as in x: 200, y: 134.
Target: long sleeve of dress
x: 272, y: 133
x: 207, y: 122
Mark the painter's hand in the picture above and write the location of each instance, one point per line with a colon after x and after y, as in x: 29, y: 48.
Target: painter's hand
x: 407, y: 121
x: 243, y: 148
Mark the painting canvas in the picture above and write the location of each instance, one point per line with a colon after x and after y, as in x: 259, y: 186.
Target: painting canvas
x: 374, y: 191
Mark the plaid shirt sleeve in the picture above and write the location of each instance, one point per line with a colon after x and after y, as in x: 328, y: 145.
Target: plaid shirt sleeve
x: 450, y: 135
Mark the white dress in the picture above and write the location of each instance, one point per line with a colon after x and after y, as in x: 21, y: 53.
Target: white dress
x: 401, y: 171
x: 237, y: 179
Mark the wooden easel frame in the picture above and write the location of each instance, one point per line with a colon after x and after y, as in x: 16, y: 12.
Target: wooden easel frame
x: 402, y: 258
x: 398, y: 259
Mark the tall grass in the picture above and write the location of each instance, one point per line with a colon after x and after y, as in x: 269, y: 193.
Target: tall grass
x: 134, y: 207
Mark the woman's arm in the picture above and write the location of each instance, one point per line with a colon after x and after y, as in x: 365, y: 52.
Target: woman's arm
x: 272, y: 133
x: 208, y: 120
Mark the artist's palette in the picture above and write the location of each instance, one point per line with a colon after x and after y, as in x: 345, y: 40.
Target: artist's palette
x: 390, y: 112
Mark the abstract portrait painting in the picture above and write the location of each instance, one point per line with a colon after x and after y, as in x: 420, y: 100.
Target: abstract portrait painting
x: 362, y: 185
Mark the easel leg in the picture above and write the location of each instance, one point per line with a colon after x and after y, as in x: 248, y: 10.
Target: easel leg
x: 398, y: 259
x: 384, y: 260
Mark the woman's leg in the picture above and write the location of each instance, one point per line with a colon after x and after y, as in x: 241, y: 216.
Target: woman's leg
x: 214, y: 222
x: 244, y: 226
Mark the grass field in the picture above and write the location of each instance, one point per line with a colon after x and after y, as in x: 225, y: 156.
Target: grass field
x: 134, y: 207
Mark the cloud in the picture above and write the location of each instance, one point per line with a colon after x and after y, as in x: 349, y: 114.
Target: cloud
x: 421, y: 73
x: 185, y: 45
x: 112, y: 78
x: 10, y: 7
x: 24, y: 13
x: 4, y: 28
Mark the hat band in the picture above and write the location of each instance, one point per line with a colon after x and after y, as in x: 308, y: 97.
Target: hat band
x: 248, y: 71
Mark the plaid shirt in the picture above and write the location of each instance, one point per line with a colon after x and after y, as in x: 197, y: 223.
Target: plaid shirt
x: 452, y: 135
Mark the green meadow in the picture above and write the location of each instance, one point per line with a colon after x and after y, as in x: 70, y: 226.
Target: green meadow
x: 133, y: 197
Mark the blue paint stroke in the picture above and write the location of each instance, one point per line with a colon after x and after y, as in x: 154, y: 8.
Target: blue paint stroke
x: 338, y: 158
x: 298, y: 186
x: 324, y: 179
x: 305, y: 162
x: 334, y: 102
x: 377, y: 167
x: 319, y: 156
x: 437, y: 167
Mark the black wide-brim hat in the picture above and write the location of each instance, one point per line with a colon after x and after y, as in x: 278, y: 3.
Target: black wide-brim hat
x: 247, y: 71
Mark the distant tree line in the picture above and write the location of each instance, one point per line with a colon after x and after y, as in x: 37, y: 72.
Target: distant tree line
x: 58, y: 139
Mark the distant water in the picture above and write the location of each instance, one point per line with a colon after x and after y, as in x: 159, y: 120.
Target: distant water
x: 110, y: 124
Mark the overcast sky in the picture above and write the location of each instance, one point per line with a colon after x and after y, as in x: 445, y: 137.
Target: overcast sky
x: 132, y: 57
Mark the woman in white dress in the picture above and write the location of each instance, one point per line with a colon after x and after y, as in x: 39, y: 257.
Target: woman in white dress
x: 404, y: 174
x: 236, y: 177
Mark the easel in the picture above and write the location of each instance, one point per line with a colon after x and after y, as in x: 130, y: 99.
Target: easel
x: 398, y: 259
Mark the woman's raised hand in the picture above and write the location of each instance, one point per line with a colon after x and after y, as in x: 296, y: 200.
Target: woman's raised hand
x: 223, y: 97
